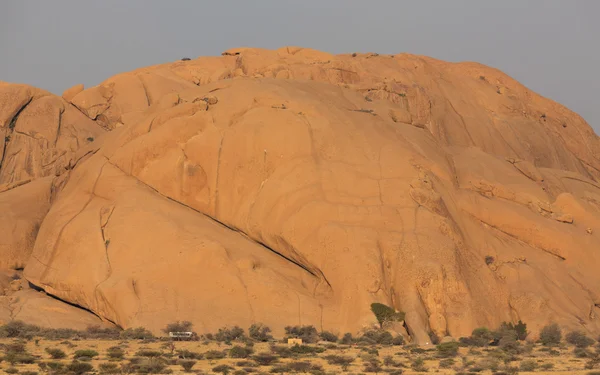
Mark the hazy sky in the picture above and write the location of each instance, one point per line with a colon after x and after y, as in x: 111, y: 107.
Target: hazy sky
x: 552, y: 46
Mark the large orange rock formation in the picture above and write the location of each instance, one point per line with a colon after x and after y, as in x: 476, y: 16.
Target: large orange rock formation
x: 297, y: 187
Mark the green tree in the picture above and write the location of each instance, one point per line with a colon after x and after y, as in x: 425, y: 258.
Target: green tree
x: 385, y: 314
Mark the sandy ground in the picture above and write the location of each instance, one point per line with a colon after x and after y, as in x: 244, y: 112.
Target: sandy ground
x: 565, y: 363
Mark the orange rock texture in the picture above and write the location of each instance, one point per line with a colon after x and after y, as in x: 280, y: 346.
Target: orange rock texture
x: 297, y: 187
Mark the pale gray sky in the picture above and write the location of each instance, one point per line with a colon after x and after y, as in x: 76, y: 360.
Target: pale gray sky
x: 549, y: 45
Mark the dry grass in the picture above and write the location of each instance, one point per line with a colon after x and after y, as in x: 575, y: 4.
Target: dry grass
x: 398, y: 357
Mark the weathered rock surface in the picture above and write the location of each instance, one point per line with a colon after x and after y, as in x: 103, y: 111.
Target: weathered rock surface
x: 297, y: 187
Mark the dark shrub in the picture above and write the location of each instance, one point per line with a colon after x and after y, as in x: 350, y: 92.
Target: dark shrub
x: 551, y: 335
x: 109, y: 368
x: 148, y: 353
x: 581, y: 352
x: 148, y: 365
x: 520, y: 329
x: 386, y: 314
x: 24, y: 358
x: 308, y: 334
x: 377, y: 337
x: 447, y: 349
x: 99, y: 333
x: 115, y: 353
x: 260, y: 332
x: 340, y: 360
x: 306, y: 350
x: 187, y: 354
x: 579, y: 339
x: 328, y: 336
x: 388, y: 360
x: 79, y: 368
x: 11, y: 370
x: 56, y: 353
x: 398, y: 340
x: 214, y: 354
x: 528, y: 365
x: 347, y: 339
x: 138, y: 334
x: 418, y: 365
x: 187, y: 364
x: 508, y: 342
x: 372, y: 364
x: 229, y: 334
x: 223, y: 369
x: 547, y: 366
x: 184, y: 326
x: 264, y: 359
x: 185, y: 59
x: 89, y: 353
x: 16, y: 347
x: 52, y: 367
x: 240, y: 352
x: 446, y: 363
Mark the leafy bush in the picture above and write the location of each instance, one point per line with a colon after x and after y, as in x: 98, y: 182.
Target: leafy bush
x: 24, y: 358
x: 347, y: 339
x: 223, y: 369
x: 328, y: 336
x: 551, y: 335
x: 480, y: 337
x: 100, y: 333
x: 581, y: 352
x: 56, y: 353
x: 303, y: 366
x: 137, y: 334
x: 447, y: 349
x: 187, y: 354
x: 509, y: 344
x: 418, y: 365
x: 146, y: 365
x: 11, y: 370
x: 187, y: 364
x: 79, y: 368
x: 214, y: 354
x: 260, y: 332
x: 372, y: 364
x: 528, y: 365
x: 229, y: 334
x: 340, y: 360
x: 306, y: 349
x: 547, y: 366
x: 579, y: 339
x: 178, y: 326
x: 115, y: 353
x: 377, y: 337
x: 265, y: 359
x: 52, y: 367
x: 240, y: 352
x: 446, y: 363
x: 109, y: 368
x: 89, y: 353
x: 308, y: 334
x: 520, y: 329
x: 148, y: 353
x: 386, y: 314
x: 398, y: 340
x: 388, y: 360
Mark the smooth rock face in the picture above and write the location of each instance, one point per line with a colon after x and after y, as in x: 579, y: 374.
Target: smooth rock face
x: 297, y: 187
